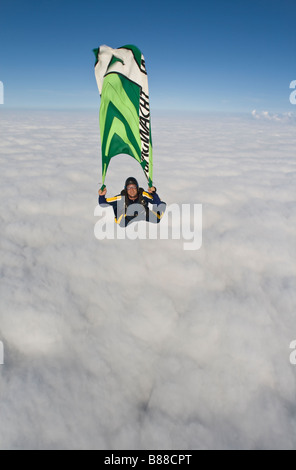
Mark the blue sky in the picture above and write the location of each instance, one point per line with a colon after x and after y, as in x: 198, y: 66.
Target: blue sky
x: 209, y: 55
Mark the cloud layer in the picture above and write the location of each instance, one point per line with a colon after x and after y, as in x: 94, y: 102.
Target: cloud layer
x: 139, y: 344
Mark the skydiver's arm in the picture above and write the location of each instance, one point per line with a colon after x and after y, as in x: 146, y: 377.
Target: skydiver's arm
x: 103, y: 193
x: 102, y: 198
x: 156, y: 199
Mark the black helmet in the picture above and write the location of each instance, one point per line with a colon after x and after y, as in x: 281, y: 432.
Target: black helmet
x: 131, y: 180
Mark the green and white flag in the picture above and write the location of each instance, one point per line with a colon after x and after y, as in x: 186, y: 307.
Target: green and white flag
x: 124, y: 112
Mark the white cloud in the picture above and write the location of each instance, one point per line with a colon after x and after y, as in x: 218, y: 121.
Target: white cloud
x: 139, y: 344
x: 280, y: 117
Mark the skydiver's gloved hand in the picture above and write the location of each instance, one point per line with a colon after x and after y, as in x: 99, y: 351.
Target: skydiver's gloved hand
x: 152, y: 190
x: 102, y: 193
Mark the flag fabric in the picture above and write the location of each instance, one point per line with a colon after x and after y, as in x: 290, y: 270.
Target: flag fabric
x: 125, y: 124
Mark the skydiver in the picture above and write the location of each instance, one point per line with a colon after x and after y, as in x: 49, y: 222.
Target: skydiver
x: 132, y: 204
